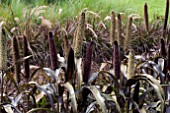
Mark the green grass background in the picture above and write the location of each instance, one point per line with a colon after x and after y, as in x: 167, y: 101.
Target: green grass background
x: 71, y: 8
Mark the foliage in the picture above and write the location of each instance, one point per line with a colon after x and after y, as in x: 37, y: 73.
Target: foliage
x: 74, y: 68
x: 63, y: 9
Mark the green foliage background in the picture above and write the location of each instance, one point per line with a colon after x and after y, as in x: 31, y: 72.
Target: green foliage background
x: 72, y: 8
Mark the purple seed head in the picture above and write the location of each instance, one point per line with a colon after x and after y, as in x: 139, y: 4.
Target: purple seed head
x: 16, y: 57
x: 53, y: 52
x: 87, y: 64
x: 163, y: 48
x: 70, y: 65
x: 116, y: 60
x: 146, y: 17
x: 26, y: 61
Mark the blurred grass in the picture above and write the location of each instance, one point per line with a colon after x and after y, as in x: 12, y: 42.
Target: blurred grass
x: 71, y: 8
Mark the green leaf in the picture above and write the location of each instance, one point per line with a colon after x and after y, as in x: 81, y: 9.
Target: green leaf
x: 11, y: 77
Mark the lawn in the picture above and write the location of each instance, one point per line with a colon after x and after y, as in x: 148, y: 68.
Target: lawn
x: 71, y: 8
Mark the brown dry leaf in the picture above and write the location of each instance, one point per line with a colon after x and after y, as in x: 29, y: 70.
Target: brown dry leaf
x: 100, y: 99
x: 107, y: 18
x: 39, y: 97
x: 102, y: 66
x: 93, y: 13
x: 102, y: 25
x: 17, y: 19
x: 95, y: 35
x: 38, y: 10
x: 71, y: 96
x: 45, y: 22
x: 142, y: 110
x: 78, y: 63
x: 1, y: 24
x: 60, y: 11
x: 8, y: 109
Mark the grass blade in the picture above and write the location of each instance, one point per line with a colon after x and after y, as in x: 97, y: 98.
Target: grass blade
x: 98, y: 97
x: 39, y: 109
x: 70, y: 89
